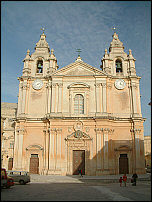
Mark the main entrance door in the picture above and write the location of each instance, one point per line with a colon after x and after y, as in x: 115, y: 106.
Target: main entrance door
x: 123, y: 164
x: 78, y: 161
x: 34, y: 164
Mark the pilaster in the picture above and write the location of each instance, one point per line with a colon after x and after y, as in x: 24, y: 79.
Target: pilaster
x: 104, y: 97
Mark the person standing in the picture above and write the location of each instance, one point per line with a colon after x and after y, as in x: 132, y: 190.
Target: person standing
x: 125, y: 179
x: 120, y: 180
x: 81, y: 173
x: 134, y: 177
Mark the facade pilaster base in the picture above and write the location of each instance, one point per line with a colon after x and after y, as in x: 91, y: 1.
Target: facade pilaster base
x: 44, y: 172
x: 140, y: 170
x: 55, y: 172
x: 102, y: 172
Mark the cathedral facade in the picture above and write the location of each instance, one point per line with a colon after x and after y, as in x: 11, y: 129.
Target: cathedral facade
x: 79, y: 116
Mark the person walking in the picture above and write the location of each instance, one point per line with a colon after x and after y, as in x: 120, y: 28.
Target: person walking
x: 134, y: 177
x: 80, y: 172
x: 125, y: 179
x: 120, y: 180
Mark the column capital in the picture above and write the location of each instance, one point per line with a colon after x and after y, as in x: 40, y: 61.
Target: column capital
x: 135, y: 130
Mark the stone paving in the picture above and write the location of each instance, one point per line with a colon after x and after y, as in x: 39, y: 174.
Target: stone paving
x: 77, y: 179
x: 76, y: 188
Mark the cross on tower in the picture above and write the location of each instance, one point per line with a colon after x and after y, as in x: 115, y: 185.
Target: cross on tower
x: 78, y: 50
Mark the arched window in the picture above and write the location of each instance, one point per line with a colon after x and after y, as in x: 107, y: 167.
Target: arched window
x: 40, y: 66
x: 118, y: 66
x: 79, y: 104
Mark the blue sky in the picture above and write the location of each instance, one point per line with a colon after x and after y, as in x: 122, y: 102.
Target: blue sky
x: 70, y: 25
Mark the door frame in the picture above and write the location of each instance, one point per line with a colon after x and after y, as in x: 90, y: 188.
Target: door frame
x: 38, y: 163
x: 126, y: 168
x: 84, y: 167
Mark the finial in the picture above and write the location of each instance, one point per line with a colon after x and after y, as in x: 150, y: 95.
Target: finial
x: 114, y: 29
x: 130, y: 52
x: 42, y: 29
x: 78, y: 50
x: 28, y: 52
x: 52, y: 51
x: 105, y: 51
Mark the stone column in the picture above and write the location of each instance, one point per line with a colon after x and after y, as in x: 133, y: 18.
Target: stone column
x: 133, y: 87
x: 58, y: 149
x: 101, y: 99
x: 136, y: 149
x: 26, y: 99
x: 24, y: 96
x: 105, y: 147
x: 99, y: 148
x: 57, y: 97
x: 87, y: 103
x: 70, y: 102
x: 44, y: 159
x: 98, y: 96
x: 47, y: 149
x: 48, y: 98
x: 53, y: 98
x: 66, y: 156
x: 139, y: 102
x: 16, y: 146
x: 20, y: 98
x: 20, y: 148
x: 104, y: 96
x: 60, y: 98
x: 52, y: 150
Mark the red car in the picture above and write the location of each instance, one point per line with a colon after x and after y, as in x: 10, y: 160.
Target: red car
x: 6, y: 181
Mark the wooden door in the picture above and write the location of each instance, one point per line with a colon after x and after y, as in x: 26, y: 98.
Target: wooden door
x: 123, y: 164
x: 34, y: 164
x: 78, y: 161
x: 10, y: 163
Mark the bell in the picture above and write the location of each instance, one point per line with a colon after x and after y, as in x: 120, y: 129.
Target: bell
x: 118, y: 65
x: 39, y: 66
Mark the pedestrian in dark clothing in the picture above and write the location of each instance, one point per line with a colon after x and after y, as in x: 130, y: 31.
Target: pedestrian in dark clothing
x: 134, y: 178
x: 80, y: 172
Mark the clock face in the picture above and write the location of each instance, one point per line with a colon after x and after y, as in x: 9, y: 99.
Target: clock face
x: 120, y: 84
x: 37, y: 84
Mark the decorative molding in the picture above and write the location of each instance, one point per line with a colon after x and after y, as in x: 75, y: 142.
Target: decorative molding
x: 135, y: 130
x: 33, y: 147
x: 69, y: 129
x: 78, y: 135
x: 78, y: 125
x: 104, y: 85
x: 60, y: 85
x: 104, y: 130
x: 87, y: 129
x: 55, y: 129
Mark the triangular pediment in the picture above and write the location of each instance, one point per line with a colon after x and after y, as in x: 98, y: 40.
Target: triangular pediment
x: 78, y: 69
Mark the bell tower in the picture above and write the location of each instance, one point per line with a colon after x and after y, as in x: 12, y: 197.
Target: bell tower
x: 41, y: 63
x: 117, y: 62
x: 120, y: 68
x: 35, y: 81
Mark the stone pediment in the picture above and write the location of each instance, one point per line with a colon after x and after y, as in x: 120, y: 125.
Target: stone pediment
x: 78, y: 69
